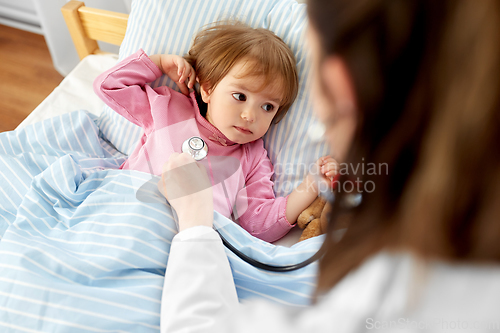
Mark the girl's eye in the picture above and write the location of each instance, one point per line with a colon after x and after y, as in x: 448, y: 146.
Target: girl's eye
x: 239, y: 97
x: 268, y: 107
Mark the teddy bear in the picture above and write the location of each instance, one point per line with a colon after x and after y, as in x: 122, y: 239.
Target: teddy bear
x: 314, y: 219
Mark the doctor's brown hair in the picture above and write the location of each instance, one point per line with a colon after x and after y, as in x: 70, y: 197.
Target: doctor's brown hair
x: 426, y: 75
x: 218, y: 48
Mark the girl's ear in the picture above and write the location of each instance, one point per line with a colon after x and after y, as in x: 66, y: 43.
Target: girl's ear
x: 205, y: 94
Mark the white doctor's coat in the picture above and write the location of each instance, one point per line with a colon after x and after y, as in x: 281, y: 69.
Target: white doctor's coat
x: 389, y: 292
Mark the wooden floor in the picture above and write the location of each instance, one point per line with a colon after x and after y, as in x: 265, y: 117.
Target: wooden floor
x: 27, y: 75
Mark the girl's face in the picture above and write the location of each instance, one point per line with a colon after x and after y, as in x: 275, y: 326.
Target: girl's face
x: 238, y: 106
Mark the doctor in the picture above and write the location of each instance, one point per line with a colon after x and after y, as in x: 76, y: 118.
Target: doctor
x: 415, y: 85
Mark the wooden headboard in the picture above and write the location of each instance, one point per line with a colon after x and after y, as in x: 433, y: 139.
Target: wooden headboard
x: 89, y: 25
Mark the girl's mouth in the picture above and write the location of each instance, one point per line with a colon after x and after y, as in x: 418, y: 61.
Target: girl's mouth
x: 243, y: 130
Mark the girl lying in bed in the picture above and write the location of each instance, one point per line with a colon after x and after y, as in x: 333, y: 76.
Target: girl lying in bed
x: 247, y: 80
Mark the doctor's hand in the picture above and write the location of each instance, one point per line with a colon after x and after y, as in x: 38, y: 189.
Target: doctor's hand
x: 186, y: 185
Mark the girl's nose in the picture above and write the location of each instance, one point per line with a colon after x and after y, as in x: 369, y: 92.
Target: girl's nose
x: 248, y: 115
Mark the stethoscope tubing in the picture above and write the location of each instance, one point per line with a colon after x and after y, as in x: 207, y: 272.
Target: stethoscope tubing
x: 268, y: 267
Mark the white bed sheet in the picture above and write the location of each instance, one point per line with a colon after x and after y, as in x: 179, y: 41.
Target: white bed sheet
x: 75, y: 91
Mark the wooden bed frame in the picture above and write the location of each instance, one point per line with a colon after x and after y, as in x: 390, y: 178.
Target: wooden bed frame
x: 89, y: 25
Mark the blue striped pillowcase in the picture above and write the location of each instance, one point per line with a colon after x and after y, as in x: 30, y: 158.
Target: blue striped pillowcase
x: 169, y: 26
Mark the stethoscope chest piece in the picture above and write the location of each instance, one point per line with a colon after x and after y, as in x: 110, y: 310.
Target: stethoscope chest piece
x: 196, y: 147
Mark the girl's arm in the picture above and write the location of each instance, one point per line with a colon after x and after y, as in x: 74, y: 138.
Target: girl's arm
x: 304, y: 194
x: 266, y: 216
x: 300, y: 198
x: 124, y: 88
x: 258, y: 210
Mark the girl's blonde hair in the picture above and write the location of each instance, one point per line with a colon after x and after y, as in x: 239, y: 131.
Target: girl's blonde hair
x: 218, y: 48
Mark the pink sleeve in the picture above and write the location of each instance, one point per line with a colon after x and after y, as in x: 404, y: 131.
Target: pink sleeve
x: 265, y: 216
x: 123, y: 88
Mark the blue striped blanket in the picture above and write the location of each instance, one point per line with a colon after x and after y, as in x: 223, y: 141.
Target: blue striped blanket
x: 80, y: 251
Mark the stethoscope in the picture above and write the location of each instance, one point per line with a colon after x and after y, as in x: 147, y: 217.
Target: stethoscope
x: 198, y: 149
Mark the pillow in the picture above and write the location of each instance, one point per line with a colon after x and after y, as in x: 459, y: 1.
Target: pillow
x: 170, y: 26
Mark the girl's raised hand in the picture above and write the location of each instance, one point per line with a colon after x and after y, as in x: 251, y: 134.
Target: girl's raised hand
x: 323, y: 172
x: 176, y: 68
x: 328, y: 167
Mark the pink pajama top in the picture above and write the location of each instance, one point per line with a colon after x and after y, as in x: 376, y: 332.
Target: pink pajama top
x: 240, y: 174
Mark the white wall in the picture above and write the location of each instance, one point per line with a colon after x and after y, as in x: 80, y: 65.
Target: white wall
x: 57, y: 36
x: 20, y: 14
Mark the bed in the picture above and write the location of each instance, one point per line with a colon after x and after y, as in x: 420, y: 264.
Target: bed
x: 84, y: 245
